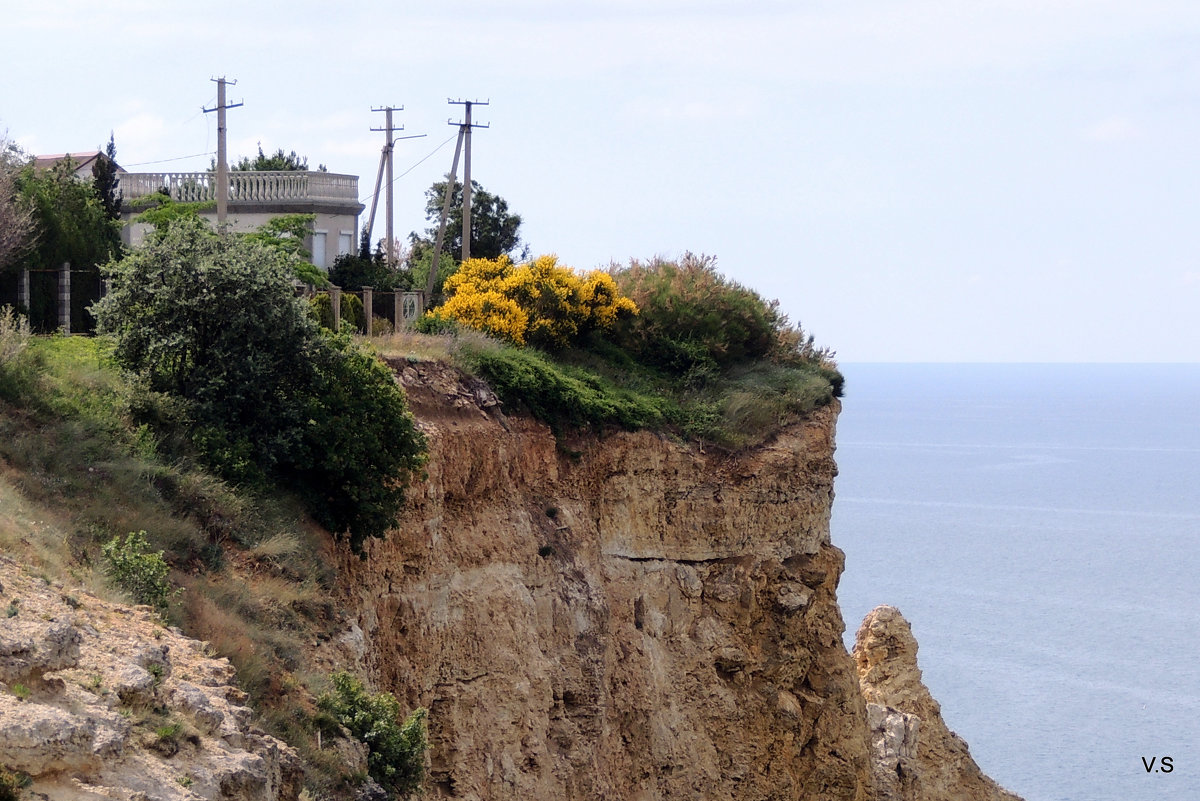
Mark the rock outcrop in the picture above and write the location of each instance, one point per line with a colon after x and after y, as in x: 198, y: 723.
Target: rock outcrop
x: 622, y: 617
x: 99, y: 700
x: 915, y: 757
x: 625, y: 617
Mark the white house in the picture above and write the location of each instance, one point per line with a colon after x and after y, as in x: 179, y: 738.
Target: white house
x: 254, y: 198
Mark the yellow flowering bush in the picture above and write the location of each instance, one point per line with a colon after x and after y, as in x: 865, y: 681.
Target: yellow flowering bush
x: 540, y: 303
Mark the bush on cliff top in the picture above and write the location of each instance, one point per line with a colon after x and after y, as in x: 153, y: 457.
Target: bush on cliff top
x: 684, y: 348
x: 211, y: 321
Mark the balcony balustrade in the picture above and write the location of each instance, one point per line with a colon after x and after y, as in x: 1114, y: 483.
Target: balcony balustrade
x: 244, y: 187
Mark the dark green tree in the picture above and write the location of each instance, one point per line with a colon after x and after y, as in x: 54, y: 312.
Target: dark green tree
x: 353, y: 271
x: 212, y: 321
x: 106, y: 180
x: 276, y: 162
x: 495, y: 231
x: 70, y: 218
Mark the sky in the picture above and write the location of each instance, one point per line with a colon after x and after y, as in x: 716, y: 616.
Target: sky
x: 914, y: 180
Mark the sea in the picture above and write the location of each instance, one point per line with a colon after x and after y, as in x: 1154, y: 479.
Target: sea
x: 1039, y: 527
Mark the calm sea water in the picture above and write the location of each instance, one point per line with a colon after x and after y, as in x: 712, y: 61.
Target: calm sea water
x: 1039, y: 526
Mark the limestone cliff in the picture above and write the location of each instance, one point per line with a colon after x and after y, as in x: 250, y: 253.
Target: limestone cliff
x: 624, y: 617
x: 619, y: 617
x: 915, y: 755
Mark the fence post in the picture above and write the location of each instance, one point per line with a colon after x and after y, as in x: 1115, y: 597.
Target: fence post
x: 335, y: 299
x: 398, y: 312
x: 23, y: 292
x: 368, y: 306
x: 412, y: 306
x: 64, y: 297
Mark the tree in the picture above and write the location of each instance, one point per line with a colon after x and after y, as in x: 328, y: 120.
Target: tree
x: 71, y: 220
x: 286, y: 234
x: 72, y: 228
x: 161, y: 210
x: 106, y: 180
x: 16, y: 218
x: 211, y: 321
x: 495, y: 231
x: 276, y: 162
x: 353, y: 271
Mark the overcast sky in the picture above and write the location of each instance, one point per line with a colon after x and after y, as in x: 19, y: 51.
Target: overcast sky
x: 936, y: 180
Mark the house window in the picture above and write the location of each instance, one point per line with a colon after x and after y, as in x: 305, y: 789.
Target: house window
x: 345, y: 243
x: 318, y: 253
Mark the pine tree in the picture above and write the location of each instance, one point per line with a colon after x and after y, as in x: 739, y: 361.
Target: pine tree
x: 104, y: 178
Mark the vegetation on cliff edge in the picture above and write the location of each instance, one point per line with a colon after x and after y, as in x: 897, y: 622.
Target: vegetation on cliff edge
x: 667, y: 345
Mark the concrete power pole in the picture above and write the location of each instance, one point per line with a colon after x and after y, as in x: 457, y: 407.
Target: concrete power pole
x: 441, y: 234
x: 222, y: 166
x: 385, y: 162
x: 465, y: 130
x: 464, y: 134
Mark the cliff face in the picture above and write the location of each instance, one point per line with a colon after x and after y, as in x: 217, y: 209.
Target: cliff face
x: 635, y: 620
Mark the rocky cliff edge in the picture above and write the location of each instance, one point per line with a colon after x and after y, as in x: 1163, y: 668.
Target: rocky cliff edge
x: 616, y: 617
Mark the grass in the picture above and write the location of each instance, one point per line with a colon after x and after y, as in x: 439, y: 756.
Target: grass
x: 604, y: 387
x: 77, y: 468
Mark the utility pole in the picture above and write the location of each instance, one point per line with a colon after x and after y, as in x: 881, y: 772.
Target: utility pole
x: 465, y: 129
x: 222, y: 167
x: 385, y: 162
x: 464, y: 134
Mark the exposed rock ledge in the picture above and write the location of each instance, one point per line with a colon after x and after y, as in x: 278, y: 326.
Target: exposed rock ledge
x: 617, y: 618
x: 914, y: 756
x: 99, y: 700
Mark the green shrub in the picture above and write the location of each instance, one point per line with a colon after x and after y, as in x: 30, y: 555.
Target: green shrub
x: 15, y: 369
x: 353, y: 312
x: 381, y: 326
x: 140, y: 574
x: 321, y: 309
x: 433, y: 322
x: 360, y: 445
x: 760, y: 399
x: 14, y: 335
x: 692, y: 316
x: 12, y: 783
x: 396, y: 747
x: 558, y: 394
x: 212, y: 321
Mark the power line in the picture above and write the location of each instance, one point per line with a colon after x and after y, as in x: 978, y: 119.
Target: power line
x: 426, y: 158
x: 164, y: 161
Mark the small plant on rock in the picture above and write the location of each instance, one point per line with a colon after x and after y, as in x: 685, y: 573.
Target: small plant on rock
x: 396, y: 746
x: 137, y: 571
x: 12, y: 783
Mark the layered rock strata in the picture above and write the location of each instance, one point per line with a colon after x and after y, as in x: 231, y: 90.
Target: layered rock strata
x: 915, y: 756
x: 100, y: 700
x: 623, y: 617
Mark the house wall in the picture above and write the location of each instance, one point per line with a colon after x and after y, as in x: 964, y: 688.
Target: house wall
x: 340, y: 229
